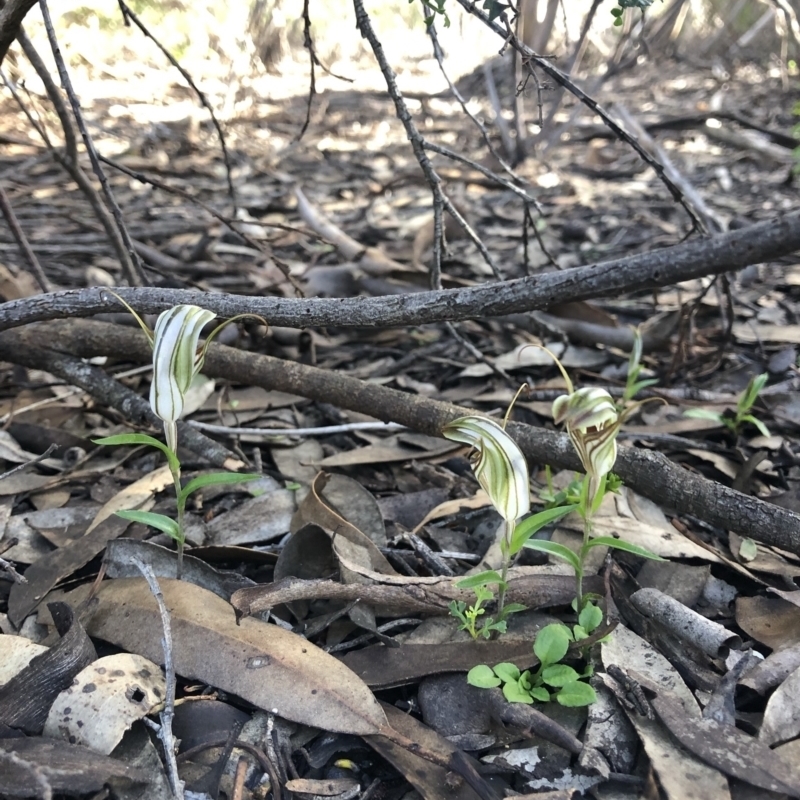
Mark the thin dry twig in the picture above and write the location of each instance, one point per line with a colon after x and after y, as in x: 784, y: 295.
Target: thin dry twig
x: 69, y: 160
x: 22, y: 242
x: 133, y: 267
x: 129, y: 16
x: 168, y: 714
x: 441, y: 202
x: 563, y: 80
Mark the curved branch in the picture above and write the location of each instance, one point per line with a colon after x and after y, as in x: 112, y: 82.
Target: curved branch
x: 649, y: 473
x: 694, y: 259
x: 11, y: 16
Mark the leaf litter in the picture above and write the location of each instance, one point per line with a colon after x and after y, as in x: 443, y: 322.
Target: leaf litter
x: 365, y: 591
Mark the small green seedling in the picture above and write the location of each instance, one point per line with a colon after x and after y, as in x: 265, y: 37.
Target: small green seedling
x: 735, y: 421
x: 552, y: 680
x: 470, y: 615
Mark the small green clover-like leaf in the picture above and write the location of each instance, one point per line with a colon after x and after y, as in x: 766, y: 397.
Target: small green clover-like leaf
x: 525, y: 680
x: 621, y: 544
x: 748, y: 550
x: 576, y: 694
x: 551, y: 644
x: 559, y: 675
x: 579, y: 632
x: 513, y: 608
x: 483, y: 677
x: 514, y: 693
x: 507, y: 672
x: 540, y: 694
x: 158, y: 521
x: 590, y: 617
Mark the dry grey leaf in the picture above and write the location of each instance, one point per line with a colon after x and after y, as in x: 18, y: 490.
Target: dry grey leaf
x: 105, y: 699
x: 275, y: 670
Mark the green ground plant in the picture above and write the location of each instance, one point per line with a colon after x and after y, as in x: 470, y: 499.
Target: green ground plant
x: 177, y: 361
x: 553, y: 680
x: 736, y: 420
x: 592, y: 420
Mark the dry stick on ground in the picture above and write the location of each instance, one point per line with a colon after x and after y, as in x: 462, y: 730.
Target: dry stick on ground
x: 648, y: 473
x: 127, y: 15
x: 168, y: 714
x: 22, y: 242
x: 135, y: 274
x: 694, y: 259
x: 69, y: 160
x: 559, y: 77
x: 104, y: 389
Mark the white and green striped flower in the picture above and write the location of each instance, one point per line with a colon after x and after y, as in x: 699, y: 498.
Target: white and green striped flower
x: 592, y: 422
x: 177, y: 361
x: 497, y: 462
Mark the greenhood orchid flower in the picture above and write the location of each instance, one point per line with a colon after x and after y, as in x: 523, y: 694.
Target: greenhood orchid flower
x: 176, y: 362
x: 497, y: 462
x: 592, y: 422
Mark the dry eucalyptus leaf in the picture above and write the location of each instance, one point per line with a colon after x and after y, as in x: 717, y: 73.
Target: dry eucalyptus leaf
x: 782, y: 716
x: 680, y: 774
x: 65, y: 768
x: 15, y: 654
x: 50, y: 569
x: 105, y: 699
x: 275, y: 670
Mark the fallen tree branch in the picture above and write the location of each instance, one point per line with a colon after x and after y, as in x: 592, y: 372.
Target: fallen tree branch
x: 724, y: 253
x: 646, y: 472
x: 110, y: 392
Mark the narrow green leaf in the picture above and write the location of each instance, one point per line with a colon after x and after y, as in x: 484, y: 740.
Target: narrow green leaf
x: 141, y: 438
x: 159, y: 521
x: 559, y: 675
x: 514, y: 693
x: 762, y: 428
x: 576, y: 694
x: 534, y: 523
x: 215, y: 479
x: 555, y: 549
x: 507, y: 672
x: 551, y: 644
x: 513, y: 608
x: 481, y: 579
x: 621, y: 544
x: 482, y: 677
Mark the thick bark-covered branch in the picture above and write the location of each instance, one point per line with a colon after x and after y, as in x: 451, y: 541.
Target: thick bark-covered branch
x: 724, y: 253
x: 649, y: 473
x: 11, y: 16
